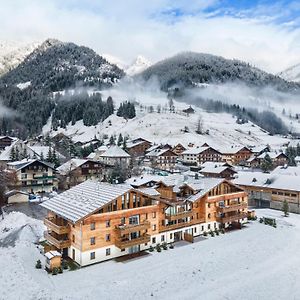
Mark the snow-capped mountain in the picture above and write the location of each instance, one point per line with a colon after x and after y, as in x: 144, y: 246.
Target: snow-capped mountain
x: 56, y: 65
x: 139, y: 65
x: 291, y: 74
x: 13, y: 53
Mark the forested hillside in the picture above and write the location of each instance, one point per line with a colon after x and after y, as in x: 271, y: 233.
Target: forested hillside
x: 190, y: 69
x: 28, y: 89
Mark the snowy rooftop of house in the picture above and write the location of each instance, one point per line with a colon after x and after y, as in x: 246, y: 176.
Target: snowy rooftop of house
x: 84, y: 199
x: 136, y: 142
x: 251, y: 158
x: 297, y: 158
x: 153, y: 148
x: 195, y: 150
x: 102, y: 148
x: 287, y: 170
x: 158, y: 152
x: 275, y: 181
x: 213, y: 164
x: 114, y: 151
x: 71, y: 165
x: 149, y: 191
x: 7, y: 136
x: 215, y: 169
x: 52, y: 254
x: 17, y: 165
x: 231, y: 150
x: 91, y: 155
x: 271, y: 154
x: 258, y: 148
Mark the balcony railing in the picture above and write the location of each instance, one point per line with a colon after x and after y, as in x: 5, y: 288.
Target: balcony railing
x: 123, y: 243
x: 42, y: 177
x: 59, y: 229
x: 179, y: 225
x: 128, y: 228
x: 232, y: 218
x: 233, y: 207
x: 179, y: 215
x: 59, y: 244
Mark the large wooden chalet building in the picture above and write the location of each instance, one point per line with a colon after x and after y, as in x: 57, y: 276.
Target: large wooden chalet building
x: 94, y: 221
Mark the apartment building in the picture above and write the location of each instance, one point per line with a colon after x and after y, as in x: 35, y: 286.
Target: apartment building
x: 198, y: 155
x: 33, y: 176
x: 94, y: 221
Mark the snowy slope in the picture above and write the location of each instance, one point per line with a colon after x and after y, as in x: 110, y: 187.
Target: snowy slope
x: 257, y: 262
x: 13, y: 53
x: 166, y: 127
x: 291, y: 74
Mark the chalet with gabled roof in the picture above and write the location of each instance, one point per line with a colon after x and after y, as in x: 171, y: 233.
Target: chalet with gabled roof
x: 198, y: 155
x: 138, y: 147
x: 94, y: 221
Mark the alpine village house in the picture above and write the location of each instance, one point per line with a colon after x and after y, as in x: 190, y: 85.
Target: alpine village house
x: 95, y: 221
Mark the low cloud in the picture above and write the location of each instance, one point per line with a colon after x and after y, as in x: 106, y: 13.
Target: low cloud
x: 158, y: 28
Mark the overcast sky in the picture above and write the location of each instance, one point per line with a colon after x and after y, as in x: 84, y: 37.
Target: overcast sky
x: 264, y: 33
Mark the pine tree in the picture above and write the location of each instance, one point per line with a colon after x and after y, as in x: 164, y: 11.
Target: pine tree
x: 120, y: 140
x: 285, y: 208
x: 42, y: 158
x: 49, y: 156
x: 17, y: 154
x: 12, y: 155
x: 267, y: 163
x: 112, y: 140
x: 124, y: 144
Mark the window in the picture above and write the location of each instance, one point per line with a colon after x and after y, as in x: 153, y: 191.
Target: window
x: 123, y: 220
x: 146, y: 216
x: 162, y: 238
x: 92, y: 240
x: 107, y: 251
x: 195, y: 230
x: 154, y: 227
x: 208, y: 216
x: 215, y: 225
x: 107, y: 223
x: 208, y: 205
x: 107, y: 237
x: 208, y: 226
x: 202, y: 228
x: 93, y: 226
x: 154, y: 215
x: 73, y: 238
x: 153, y: 240
x: 171, y: 236
x: 92, y: 255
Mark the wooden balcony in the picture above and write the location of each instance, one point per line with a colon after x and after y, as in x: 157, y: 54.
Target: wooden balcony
x: 233, y: 207
x: 123, y: 243
x: 129, y: 228
x: 232, y: 218
x: 59, y: 229
x: 59, y: 244
x: 179, y: 215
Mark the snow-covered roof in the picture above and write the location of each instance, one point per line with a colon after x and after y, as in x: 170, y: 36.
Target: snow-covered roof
x: 194, y: 150
x: 114, y: 151
x: 159, y: 152
x: 265, y: 180
x: 232, y: 149
x: 215, y: 169
x: 272, y: 155
x: 52, y: 254
x: 136, y: 142
x: 287, y: 170
x: 84, y: 199
x: 149, y: 191
x: 213, y: 164
x: 297, y: 158
x: 71, y: 165
x: 18, y: 165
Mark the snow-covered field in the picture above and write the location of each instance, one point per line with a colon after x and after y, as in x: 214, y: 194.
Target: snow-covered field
x: 258, y: 262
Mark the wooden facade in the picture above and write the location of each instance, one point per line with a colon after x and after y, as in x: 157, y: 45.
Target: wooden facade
x: 135, y: 221
x: 238, y: 156
x: 138, y: 147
